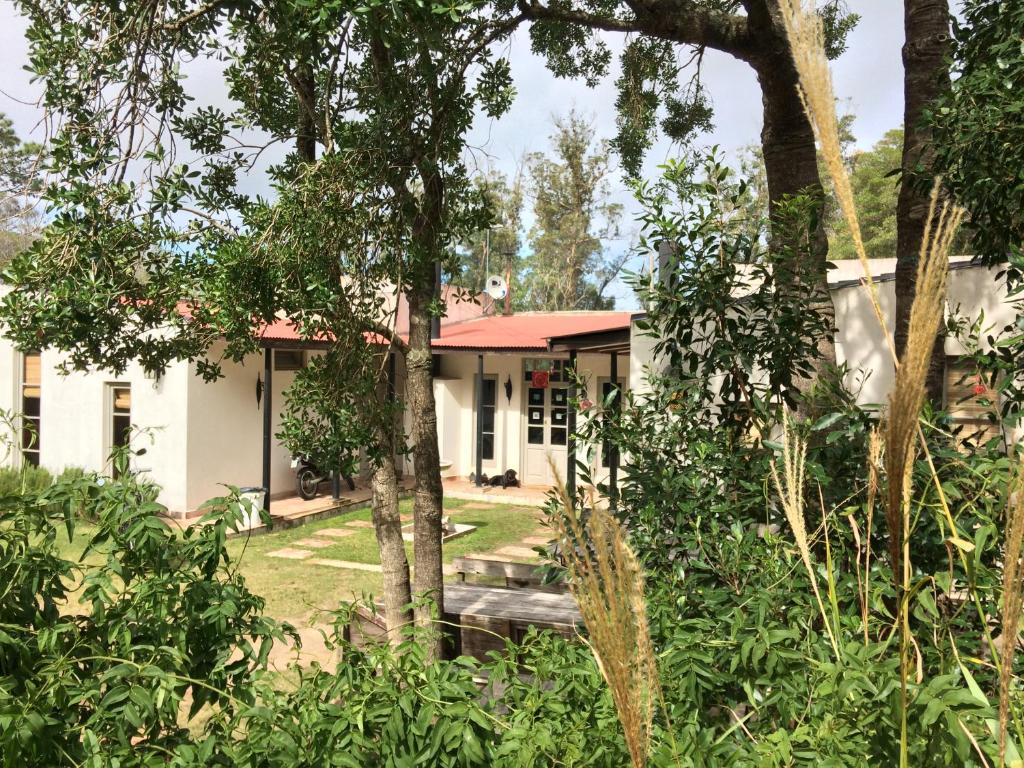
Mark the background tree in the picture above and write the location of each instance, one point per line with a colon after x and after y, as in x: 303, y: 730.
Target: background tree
x: 749, y: 30
x: 872, y: 173
x: 926, y: 51
x: 19, y: 183
x: 569, y: 267
x: 875, y: 186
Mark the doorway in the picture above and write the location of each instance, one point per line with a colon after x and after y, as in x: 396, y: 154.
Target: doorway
x: 547, y: 433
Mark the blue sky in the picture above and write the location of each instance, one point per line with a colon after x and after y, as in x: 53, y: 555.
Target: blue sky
x: 868, y: 79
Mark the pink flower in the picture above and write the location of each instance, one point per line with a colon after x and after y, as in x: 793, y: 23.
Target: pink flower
x: 585, y: 404
x: 979, y: 389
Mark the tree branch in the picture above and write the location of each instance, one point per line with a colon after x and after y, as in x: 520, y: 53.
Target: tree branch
x: 680, y: 21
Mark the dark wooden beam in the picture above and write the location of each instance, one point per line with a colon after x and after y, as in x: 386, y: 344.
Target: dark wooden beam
x: 268, y: 421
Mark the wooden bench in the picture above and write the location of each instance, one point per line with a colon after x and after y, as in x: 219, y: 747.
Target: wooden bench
x: 516, y: 575
x: 481, y: 617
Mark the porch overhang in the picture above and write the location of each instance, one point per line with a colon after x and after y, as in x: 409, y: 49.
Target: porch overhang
x: 615, y: 340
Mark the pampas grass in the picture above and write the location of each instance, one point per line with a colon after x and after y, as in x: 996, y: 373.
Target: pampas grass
x: 1013, y: 572
x: 790, y: 487
x: 608, y: 584
x: 902, y: 430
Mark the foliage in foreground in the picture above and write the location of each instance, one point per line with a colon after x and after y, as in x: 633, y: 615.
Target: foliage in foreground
x: 747, y: 664
x: 152, y: 651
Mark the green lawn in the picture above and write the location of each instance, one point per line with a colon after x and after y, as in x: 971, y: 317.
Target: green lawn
x: 295, y: 589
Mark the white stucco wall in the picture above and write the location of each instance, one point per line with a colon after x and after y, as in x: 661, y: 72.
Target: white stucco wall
x: 455, y: 394
x: 225, y: 433
x: 861, y: 343
x: 75, y: 414
x: 860, y: 340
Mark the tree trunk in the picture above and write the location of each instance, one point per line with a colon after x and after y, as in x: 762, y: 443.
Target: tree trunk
x: 387, y: 524
x: 791, y: 168
x: 305, y: 97
x: 428, y: 496
x: 925, y: 77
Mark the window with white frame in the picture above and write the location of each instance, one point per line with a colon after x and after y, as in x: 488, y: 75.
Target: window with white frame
x: 611, y: 397
x: 31, y: 401
x: 120, y: 416
x: 556, y: 369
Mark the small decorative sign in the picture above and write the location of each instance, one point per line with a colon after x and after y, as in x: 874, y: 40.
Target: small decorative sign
x: 540, y: 379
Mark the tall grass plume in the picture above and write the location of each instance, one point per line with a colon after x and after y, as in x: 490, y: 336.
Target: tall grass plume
x: 608, y: 583
x: 1013, y: 572
x: 790, y: 487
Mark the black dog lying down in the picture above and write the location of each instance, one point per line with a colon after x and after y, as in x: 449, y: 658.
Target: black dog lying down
x: 508, y: 479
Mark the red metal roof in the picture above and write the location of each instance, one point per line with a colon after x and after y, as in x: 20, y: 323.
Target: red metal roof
x: 523, y: 331
x: 526, y: 330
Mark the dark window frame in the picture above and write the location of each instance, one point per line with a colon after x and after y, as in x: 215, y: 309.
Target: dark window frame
x: 487, y: 446
x: 297, y: 359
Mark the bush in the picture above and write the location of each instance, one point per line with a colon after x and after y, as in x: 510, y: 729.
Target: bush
x: 749, y: 672
x: 167, y: 630
x: 27, y: 478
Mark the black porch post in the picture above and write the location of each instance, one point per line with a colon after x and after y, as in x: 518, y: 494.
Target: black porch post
x: 613, y: 449
x: 479, y: 419
x: 268, y: 415
x: 570, y: 463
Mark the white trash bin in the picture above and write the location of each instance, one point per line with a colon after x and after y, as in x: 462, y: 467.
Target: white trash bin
x: 251, y: 515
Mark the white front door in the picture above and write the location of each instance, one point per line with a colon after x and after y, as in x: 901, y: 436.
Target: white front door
x: 547, y: 433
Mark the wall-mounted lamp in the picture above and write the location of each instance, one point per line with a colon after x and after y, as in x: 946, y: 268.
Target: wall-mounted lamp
x: 508, y: 389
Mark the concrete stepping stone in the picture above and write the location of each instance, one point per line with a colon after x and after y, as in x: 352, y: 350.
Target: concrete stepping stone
x: 477, y: 505
x: 287, y: 553
x: 347, y: 564
x: 517, y: 552
x: 315, y: 543
x: 534, y: 541
x: 335, y: 533
x: 359, y: 524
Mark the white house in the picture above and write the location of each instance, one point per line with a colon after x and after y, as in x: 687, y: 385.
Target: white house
x: 502, y: 392
x: 973, y: 291
x: 200, y: 436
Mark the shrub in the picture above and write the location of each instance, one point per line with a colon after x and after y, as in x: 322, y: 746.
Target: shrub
x: 27, y: 478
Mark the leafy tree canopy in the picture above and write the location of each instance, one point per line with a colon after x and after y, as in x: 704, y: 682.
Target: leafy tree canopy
x: 569, y: 267
x: 19, y: 182
x: 978, y: 128
x: 155, y: 251
x: 660, y: 85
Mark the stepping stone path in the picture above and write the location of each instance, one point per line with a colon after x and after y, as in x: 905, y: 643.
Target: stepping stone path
x: 315, y: 543
x: 335, y: 533
x: 517, y: 552
x: 475, y: 505
x: 359, y: 524
x: 347, y: 564
x: 290, y: 554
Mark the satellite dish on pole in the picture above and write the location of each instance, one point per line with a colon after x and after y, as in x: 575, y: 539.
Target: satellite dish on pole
x: 496, y: 287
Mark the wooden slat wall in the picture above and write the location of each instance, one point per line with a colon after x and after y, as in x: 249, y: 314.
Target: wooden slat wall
x: 972, y: 410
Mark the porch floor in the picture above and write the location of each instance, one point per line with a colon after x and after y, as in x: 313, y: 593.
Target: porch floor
x: 525, y: 495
